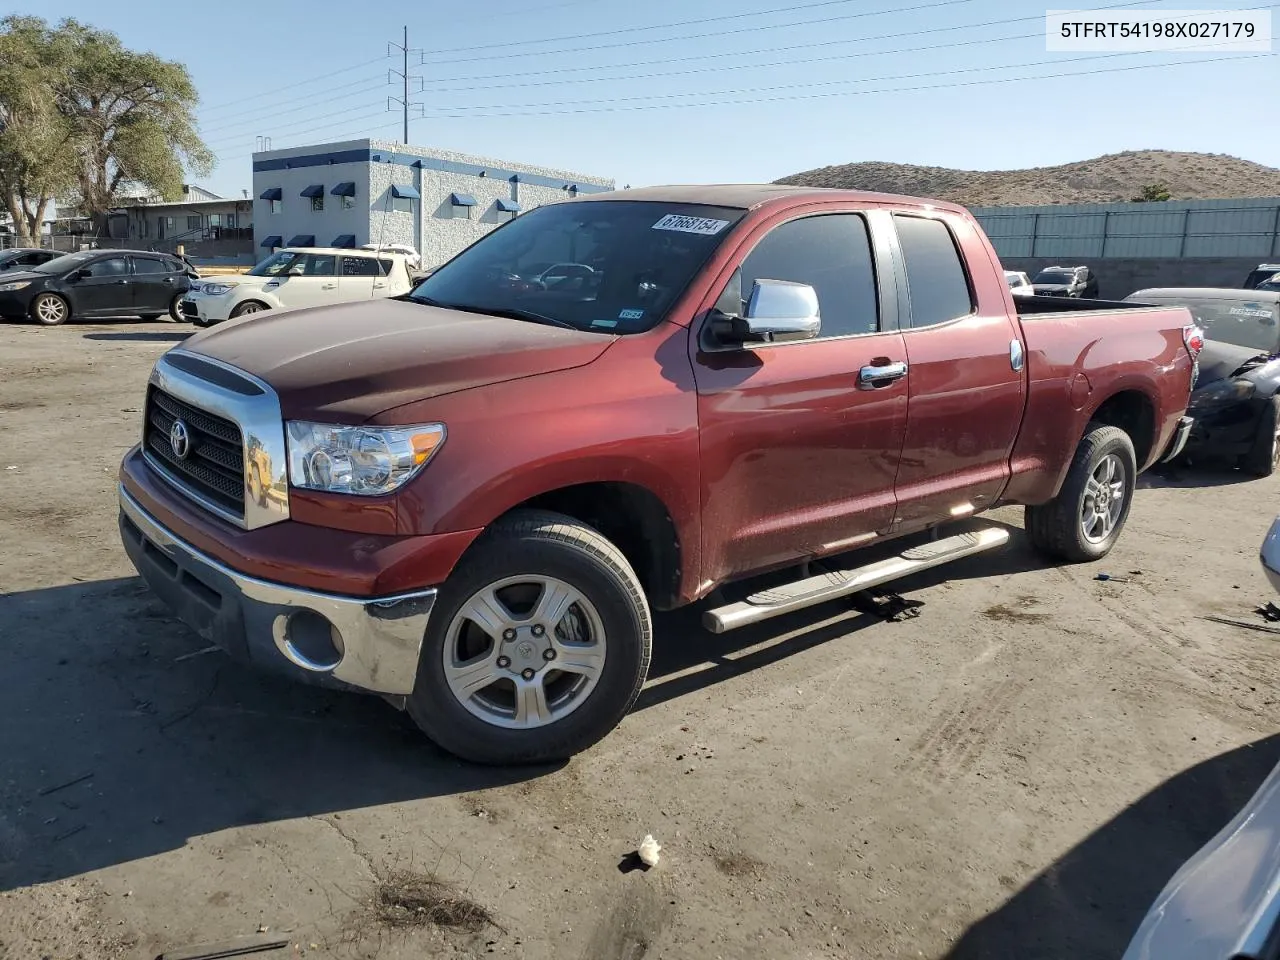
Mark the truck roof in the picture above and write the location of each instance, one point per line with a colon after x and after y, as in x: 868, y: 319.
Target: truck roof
x: 749, y: 196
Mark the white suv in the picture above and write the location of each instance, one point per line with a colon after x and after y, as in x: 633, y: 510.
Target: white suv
x: 298, y: 277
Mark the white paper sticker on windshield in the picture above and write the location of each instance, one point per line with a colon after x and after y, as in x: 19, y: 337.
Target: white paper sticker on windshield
x: 703, y: 225
x: 1250, y: 311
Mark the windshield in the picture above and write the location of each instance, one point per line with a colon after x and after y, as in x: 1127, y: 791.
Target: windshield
x: 611, y: 266
x: 1015, y: 279
x: 1054, y: 276
x: 1245, y: 323
x: 63, y: 264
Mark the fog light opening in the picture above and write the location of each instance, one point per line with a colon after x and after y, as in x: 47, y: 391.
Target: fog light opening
x: 309, y: 640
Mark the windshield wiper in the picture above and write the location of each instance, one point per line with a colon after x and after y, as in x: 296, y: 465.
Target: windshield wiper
x: 511, y: 313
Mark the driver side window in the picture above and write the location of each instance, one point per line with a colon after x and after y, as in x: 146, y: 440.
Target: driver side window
x: 829, y: 252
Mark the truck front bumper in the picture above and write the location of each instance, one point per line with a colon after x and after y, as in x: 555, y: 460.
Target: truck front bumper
x: 365, y: 643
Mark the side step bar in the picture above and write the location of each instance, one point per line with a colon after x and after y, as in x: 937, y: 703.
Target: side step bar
x: 840, y: 583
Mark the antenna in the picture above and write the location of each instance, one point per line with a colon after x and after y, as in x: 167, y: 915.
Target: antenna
x: 405, y: 103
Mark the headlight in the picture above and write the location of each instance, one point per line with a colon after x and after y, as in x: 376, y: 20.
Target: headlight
x: 1222, y: 392
x: 360, y: 460
x: 214, y: 289
x: 15, y: 285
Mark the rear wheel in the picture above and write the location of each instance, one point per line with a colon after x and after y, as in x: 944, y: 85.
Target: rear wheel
x: 175, y: 308
x: 537, y: 647
x: 1264, y: 455
x: 50, y: 310
x: 1084, y: 521
x: 249, y: 306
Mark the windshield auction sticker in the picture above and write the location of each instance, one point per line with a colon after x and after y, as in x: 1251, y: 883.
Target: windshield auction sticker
x: 1174, y: 31
x: 703, y: 225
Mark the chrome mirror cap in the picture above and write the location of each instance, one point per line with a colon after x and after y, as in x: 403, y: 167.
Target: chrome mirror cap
x: 780, y: 310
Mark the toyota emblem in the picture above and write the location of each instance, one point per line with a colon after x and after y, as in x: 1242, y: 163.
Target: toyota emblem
x: 179, y: 440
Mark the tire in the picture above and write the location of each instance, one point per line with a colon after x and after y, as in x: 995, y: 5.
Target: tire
x: 150, y: 317
x: 50, y: 310
x: 1060, y: 528
x: 175, y: 309
x: 528, y: 559
x: 1264, y: 455
x: 249, y: 306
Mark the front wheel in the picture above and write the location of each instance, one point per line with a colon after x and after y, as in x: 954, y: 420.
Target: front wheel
x: 1264, y: 456
x: 50, y: 310
x: 1084, y: 521
x: 537, y: 647
x: 175, y: 308
x: 249, y: 306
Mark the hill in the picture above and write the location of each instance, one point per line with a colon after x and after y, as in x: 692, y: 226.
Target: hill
x: 1117, y: 176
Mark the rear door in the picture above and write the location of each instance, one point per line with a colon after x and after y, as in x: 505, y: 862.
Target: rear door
x: 153, y: 284
x: 359, y: 274
x: 966, y: 381
x: 798, y: 458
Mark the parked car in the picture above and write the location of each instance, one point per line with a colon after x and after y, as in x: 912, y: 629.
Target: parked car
x: 96, y: 283
x: 470, y: 499
x: 411, y: 256
x: 298, y: 277
x: 1066, y: 282
x: 24, y: 258
x: 1259, y: 274
x: 1234, y: 401
x: 1019, y: 283
x: 1272, y: 284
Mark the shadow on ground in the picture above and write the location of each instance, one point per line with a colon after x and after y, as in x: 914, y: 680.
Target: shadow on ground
x: 1193, y: 476
x: 143, y: 336
x: 1091, y: 900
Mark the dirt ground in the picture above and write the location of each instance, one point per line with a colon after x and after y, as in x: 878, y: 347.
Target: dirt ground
x: 1014, y: 773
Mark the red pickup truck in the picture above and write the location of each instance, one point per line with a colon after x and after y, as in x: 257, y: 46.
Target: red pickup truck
x: 469, y: 499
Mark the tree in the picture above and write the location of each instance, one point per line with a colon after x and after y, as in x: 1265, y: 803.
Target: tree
x: 118, y: 116
x: 1153, y: 193
x: 36, y: 158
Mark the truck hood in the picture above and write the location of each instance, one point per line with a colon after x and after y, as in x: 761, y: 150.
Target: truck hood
x: 348, y: 362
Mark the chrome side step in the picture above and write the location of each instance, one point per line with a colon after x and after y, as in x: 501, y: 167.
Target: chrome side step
x: 840, y: 583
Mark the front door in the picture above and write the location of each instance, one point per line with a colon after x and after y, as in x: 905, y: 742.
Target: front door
x: 966, y: 382
x: 797, y: 459
x: 310, y: 281
x: 105, y: 288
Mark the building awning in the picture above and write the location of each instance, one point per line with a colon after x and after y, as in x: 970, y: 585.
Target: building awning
x: 404, y: 192
x: 271, y: 193
x: 272, y: 241
x: 345, y: 189
x: 508, y: 206
x: 462, y: 200
x: 315, y: 190
x: 345, y: 240
x: 303, y: 240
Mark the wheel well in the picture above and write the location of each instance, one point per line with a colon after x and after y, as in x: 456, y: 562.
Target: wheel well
x: 1132, y: 412
x: 637, y: 523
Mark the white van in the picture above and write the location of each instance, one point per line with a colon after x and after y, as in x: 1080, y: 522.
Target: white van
x: 298, y: 277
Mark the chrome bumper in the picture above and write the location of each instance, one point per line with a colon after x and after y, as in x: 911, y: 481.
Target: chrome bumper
x: 1270, y: 555
x: 1179, y: 441
x: 370, y: 644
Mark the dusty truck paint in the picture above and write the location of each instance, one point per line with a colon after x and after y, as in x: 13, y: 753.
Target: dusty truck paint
x: 625, y: 459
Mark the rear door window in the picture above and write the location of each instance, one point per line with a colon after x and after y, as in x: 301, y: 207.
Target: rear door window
x: 365, y: 267
x: 148, y: 265
x: 937, y: 287
x: 109, y: 267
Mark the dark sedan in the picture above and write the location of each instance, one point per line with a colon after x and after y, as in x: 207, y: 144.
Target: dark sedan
x: 1235, y: 401
x: 98, y: 283
x: 24, y: 258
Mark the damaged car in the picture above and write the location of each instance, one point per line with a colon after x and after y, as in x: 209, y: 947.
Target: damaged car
x: 1234, y: 400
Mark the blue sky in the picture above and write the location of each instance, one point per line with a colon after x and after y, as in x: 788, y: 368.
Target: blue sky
x: 604, y: 86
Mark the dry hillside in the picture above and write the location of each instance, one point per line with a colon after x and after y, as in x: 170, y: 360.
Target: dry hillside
x: 1117, y: 176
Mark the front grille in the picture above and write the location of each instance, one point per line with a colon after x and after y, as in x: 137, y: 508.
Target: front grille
x: 189, y: 309
x: 214, y: 465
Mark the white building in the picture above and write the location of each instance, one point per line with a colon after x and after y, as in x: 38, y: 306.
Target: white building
x: 374, y: 191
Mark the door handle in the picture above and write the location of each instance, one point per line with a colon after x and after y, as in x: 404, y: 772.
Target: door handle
x: 379, y: 283
x: 874, y: 377
x: 327, y: 286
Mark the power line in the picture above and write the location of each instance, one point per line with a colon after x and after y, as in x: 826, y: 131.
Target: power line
x: 702, y: 36
x: 256, y: 118
x: 849, y: 93
x: 703, y: 57
x: 275, y: 130
x: 290, y: 86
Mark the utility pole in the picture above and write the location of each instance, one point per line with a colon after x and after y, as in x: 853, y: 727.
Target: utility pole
x: 404, y: 75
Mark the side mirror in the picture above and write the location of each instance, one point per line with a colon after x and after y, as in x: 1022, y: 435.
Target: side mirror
x: 75, y: 275
x: 778, y: 311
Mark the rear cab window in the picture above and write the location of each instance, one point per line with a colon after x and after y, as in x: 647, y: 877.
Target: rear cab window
x: 937, y: 286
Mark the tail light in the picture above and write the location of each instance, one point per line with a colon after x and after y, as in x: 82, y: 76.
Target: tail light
x: 1193, y: 337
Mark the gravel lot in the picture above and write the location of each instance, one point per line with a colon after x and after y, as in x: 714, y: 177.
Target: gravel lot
x: 1014, y: 773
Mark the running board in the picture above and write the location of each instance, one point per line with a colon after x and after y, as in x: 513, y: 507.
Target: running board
x: 840, y: 583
